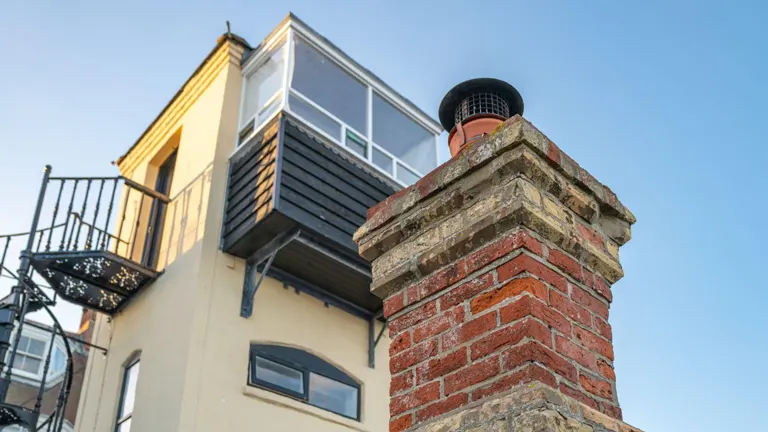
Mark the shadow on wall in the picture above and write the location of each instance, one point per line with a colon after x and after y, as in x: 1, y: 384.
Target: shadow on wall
x: 185, y: 219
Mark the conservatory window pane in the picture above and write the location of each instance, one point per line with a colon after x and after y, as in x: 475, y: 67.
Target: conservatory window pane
x: 325, y: 83
x: 263, y: 83
x: 381, y: 160
x: 402, y: 136
x: 315, y: 117
x: 405, y: 175
x: 355, y: 143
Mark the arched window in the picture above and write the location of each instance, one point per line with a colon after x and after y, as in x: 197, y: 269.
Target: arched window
x: 306, y: 377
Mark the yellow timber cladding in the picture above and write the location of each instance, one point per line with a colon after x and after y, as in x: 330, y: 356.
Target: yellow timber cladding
x: 185, y: 329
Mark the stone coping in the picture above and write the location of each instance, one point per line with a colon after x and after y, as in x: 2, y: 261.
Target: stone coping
x: 512, y: 133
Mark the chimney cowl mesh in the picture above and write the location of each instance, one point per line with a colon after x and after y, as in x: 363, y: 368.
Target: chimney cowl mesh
x: 481, y: 103
x: 479, y: 96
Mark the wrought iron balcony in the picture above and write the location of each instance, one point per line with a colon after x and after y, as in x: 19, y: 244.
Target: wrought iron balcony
x: 99, y: 250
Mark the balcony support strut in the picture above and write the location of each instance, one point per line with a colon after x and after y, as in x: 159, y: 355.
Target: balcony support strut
x: 268, y: 252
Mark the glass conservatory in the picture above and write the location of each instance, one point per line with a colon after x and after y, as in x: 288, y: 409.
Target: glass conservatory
x: 297, y: 71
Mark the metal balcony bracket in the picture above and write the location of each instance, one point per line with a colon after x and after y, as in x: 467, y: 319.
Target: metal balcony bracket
x: 267, y: 253
x: 373, y: 340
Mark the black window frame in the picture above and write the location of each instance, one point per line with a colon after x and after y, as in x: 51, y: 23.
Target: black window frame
x: 305, y: 363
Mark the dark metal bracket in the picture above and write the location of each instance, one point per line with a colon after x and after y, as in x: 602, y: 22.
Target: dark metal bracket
x: 267, y: 253
x: 373, y: 340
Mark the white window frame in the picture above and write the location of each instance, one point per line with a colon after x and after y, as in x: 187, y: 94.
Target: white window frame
x: 133, y: 361
x: 287, y: 33
x: 45, y: 337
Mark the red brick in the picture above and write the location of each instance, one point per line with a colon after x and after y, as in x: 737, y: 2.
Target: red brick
x: 469, y: 330
x: 476, y: 372
x: 592, y: 236
x: 527, y: 263
x: 602, y: 288
x: 606, y: 370
x: 418, y: 397
x: 569, y: 308
x: 400, y: 343
x: 438, y: 367
x: 412, y: 295
x: 587, y: 277
x: 603, y: 328
x: 611, y: 410
x: 534, y: 351
x: 523, y: 239
x: 394, y: 304
x: 589, y: 301
x: 553, y: 153
x: 596, y: 386
x: 428, y: 184
x: 465, y: 291
x: 401, y: 382
x: 501, y: 248
x: 565, y: 263
x: 594, y: 342
x: 530, y: 373
x: 511, y: 335
x: 530, y: 306
x: 441, y: 279
x: 401, y: 423
x: 439, y: 408
x: 412, y: 356
x: 413, y: 317
x: 514, y: 288
x: 575, y: 352
x: 449, y: 319
x: 579, y: 396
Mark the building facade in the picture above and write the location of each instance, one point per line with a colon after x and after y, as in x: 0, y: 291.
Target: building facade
x: 251, y: 307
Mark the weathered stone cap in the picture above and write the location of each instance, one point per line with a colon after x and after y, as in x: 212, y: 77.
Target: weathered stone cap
x: 512, y: 133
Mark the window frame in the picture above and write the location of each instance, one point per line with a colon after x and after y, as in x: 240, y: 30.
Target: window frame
x: 132, y: 361
x: 305, y: 363
x: 40, y: 336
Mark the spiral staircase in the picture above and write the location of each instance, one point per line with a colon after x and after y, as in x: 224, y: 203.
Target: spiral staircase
x: 96, y: 249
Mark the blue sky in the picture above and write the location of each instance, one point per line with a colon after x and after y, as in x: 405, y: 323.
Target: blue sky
x: 662, y: 101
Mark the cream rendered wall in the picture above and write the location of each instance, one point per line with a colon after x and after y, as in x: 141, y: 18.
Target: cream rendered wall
x: 159, y: 321
x: 194, y: 344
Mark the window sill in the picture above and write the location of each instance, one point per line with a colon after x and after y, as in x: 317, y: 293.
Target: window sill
x: 286, y: 402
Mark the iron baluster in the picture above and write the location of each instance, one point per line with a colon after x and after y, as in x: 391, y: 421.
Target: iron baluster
x: 41, y: 390
x: 119, y: 232
x: 39, y: 239
x: 69, y: 214
x: 95, y: 216
x: 5, y: 252
x: 82, y: 213
x: 107, y: 238
x: 138, y: 222
x: 55, y: 213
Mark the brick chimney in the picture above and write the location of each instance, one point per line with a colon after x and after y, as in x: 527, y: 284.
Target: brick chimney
x: 496, y: 272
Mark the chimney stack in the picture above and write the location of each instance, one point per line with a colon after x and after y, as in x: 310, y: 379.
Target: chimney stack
x: 496, y: 271
x: 473, y: 109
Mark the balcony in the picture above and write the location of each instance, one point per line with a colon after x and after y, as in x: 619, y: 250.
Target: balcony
x: 321, y: 140
x: 100, y: 238
x: 293, y: 203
